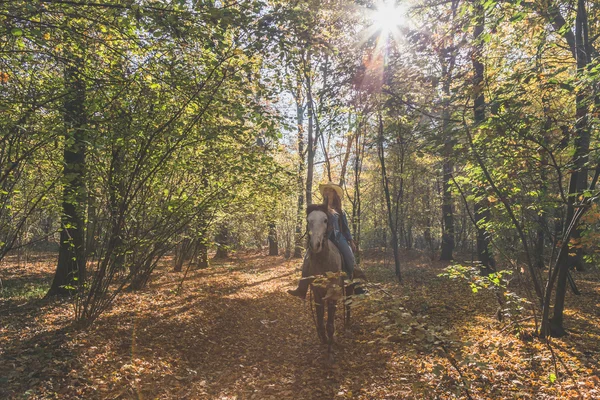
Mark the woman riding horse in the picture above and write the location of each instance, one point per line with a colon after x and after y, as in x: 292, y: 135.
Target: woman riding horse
x: 340, y: 235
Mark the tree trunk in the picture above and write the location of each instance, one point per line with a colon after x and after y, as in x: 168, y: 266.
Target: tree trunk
x: 582, y: 133
x: 447, y: 61
x: 482, y: 213
x: 386, y: 190
x: 184, y: 252
x: 298, y: 247
x: 347, y: 154
x: 357, y: 207
x: 90, y: 233
x: 427, y: 236
x: 447, y: 209
x: 202, y: 253
x: 578, y: 181
x: 318, y: 135
x: 448, y: 214
x: 222, y: 240
x: 116, y: 194
x: 310, y: 161
x: 71, y: 266
x: 541, y: 219
x: 356, y: 200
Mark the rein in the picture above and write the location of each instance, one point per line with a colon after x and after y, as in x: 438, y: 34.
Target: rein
x: 344, y: 299
x: 312, y: 306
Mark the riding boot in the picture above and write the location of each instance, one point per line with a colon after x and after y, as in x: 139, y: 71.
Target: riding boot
x: 359, y: 274
x: 302, y: 288
x: 304, y: 283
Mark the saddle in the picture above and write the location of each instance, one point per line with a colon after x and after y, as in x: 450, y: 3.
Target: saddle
x: 356, y: 274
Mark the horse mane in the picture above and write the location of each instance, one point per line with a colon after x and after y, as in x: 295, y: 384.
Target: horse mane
x: 317, y: 207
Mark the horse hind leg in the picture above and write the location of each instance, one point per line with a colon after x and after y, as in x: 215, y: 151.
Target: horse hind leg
x: 349, y: 292
x: 331, y: 307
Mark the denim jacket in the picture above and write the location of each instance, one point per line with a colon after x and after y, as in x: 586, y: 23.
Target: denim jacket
x: 340, y: 227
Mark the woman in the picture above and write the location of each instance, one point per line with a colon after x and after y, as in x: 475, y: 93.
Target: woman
x: 340, y: 235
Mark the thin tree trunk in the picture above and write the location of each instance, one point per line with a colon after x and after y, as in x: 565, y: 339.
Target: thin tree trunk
x: 356, y: 209
x: 582, y: 133
x: 447, y: 61
x: 298, y: 248
x: 482, y: 213
x: 386, y: 190
x: 348, y: 151
x: 92, y: 223
x: 184, y: 252
x: 202, y: 253
x: 542, y: 220
x: 548, y: 326
x: 318, y: 132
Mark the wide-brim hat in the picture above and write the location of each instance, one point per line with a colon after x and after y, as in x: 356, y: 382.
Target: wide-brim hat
x: 337, y: 188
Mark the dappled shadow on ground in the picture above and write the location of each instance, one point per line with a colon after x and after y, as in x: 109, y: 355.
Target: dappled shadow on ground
x: 223, y: 339
x: 36, y: 350
x: 237, y: 334
x: 582, y: 316
x: 33, y: 330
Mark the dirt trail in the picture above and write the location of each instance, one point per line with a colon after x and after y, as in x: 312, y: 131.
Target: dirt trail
x: 249, y: 339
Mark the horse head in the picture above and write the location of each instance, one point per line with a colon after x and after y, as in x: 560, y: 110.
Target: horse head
x: 319, y: 226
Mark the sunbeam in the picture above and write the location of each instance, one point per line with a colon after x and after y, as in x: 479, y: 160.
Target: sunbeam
x: 388, y: 16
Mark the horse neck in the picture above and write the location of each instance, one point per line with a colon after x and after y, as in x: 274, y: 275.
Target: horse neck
x: 323, y: 259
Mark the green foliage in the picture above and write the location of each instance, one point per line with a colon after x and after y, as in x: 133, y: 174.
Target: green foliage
x: 178, y: 127
x: 23, y: 290
x: 472, y: 274
x: 511, y: 304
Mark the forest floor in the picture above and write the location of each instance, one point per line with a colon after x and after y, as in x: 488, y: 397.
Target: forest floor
x: 234, y: 333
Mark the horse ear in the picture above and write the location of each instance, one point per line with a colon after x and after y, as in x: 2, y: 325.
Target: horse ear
x: 311, y: 208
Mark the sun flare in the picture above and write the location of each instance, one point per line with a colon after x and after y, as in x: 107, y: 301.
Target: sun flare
x: 387, y: 19
x: 388, y: 16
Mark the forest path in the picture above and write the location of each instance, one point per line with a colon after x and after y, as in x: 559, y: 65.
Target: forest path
x: 234, y: 333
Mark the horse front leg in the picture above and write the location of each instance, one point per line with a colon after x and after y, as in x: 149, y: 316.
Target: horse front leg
x: 331, y: 306
x: 320, y: 311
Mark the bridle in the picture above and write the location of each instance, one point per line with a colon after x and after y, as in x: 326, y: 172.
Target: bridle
x: 310, y: 241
